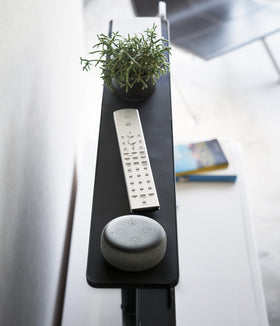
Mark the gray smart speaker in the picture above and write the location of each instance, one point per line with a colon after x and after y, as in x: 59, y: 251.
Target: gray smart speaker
x: 133, y: 243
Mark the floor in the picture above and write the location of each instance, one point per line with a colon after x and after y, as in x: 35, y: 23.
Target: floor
x: 235, y: 96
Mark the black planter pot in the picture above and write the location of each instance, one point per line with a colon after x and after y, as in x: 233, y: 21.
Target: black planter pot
x: 135, y: 93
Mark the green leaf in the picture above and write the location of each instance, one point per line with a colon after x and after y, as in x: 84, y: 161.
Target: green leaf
x: 140, y: 57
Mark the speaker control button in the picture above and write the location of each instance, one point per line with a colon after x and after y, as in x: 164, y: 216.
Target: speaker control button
x: 120, y: 231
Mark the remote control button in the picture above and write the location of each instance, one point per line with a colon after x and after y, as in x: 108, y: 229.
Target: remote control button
x: 131, y: 141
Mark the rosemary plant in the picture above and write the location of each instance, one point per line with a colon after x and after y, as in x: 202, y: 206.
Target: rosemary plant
x: 129, y: 60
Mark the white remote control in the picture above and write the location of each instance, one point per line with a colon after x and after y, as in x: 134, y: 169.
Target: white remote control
x: 139, y: 179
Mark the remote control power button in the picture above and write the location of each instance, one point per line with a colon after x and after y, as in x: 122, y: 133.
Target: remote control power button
x: 132, y: 222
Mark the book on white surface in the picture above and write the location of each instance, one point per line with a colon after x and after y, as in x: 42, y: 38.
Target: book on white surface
x: 225, y: 171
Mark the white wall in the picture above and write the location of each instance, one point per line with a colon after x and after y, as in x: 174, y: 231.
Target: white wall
x: 40, y: 101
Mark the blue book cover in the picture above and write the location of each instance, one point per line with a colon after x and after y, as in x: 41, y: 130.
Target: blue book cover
x: 201, y: 156
x: 202, y: 162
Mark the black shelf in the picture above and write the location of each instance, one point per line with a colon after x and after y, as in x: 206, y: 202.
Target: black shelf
x: 110, y: 196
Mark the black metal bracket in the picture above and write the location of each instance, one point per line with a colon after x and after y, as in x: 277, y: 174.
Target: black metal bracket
x: 148, y: 307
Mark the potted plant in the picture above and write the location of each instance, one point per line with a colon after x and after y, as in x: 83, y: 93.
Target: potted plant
x: 130, y: 65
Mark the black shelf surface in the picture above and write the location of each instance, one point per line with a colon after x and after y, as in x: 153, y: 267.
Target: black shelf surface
x: 110, y: 196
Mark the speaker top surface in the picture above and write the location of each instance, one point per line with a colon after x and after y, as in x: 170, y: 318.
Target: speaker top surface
x: 133, y: 233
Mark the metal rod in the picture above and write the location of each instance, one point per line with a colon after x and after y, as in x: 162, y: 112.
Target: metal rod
x: 271, y: 56
x: 162, y: 10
